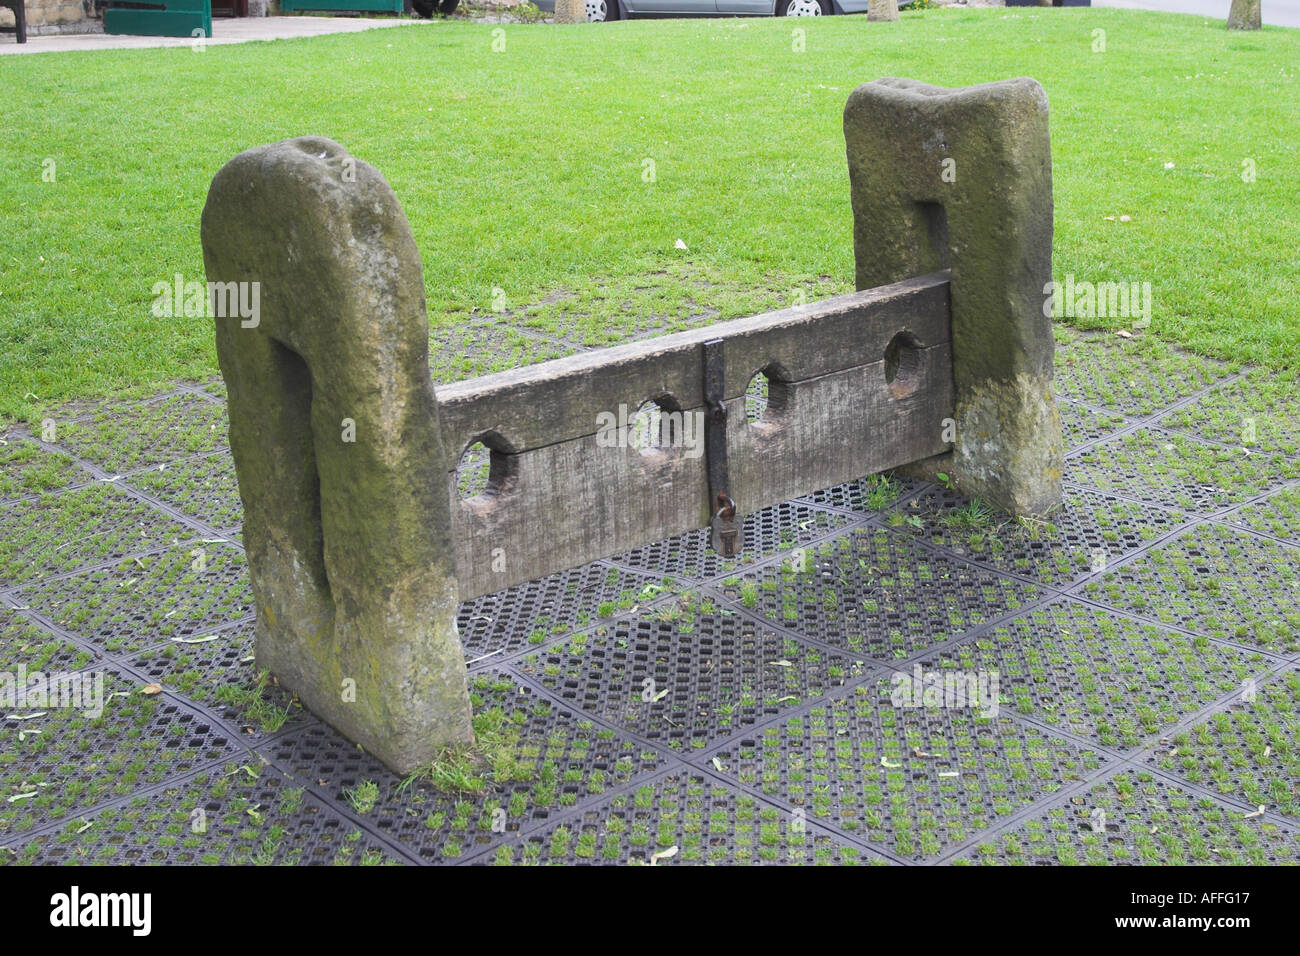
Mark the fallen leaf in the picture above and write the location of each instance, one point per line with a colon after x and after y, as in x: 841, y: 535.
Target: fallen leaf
x: 679, y: 244
x: 1257, y: 813
x: 1124, y: 334
x: 662, y: 694
x: 781, y: 663
x: 884, y: 762
x: 717, y: 765
x: 667, y: 854
x: 151, y: 689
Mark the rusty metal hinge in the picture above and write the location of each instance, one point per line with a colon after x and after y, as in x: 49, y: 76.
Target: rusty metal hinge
x: 725, y: 524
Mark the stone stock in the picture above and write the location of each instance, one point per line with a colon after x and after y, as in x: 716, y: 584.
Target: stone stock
x: 359, y: 549
x: 347, y: 540
x: 962, y: 179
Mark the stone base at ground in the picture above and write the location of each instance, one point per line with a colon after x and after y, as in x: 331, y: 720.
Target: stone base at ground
x: 570, y: 11
x: 1244, y: 15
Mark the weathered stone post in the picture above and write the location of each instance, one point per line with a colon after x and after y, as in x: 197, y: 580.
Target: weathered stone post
x: 1244, y: 15
x: 570, y: 11
x: 882, y: 9
x: 962, y: 178
x: 335, y: 434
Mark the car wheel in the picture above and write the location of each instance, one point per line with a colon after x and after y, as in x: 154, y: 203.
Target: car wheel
x: 803, y: 8
x: 599, y: 11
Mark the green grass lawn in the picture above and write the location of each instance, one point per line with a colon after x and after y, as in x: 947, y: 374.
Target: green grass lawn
x: 523, y: 170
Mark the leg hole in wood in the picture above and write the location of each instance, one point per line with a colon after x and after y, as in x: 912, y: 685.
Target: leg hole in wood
x: 657, y: 426
x: 903, y: 364
x: 486, y: 467
x: 756, y: 397
x: 767, y: 395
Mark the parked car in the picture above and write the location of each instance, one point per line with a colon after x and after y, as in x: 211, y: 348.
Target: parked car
x: 599, y: 10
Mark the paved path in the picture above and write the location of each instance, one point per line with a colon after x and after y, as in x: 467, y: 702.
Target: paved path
x: 240, y: 30
x: 1277, y: 13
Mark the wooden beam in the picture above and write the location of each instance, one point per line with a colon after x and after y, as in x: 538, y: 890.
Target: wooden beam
x: 555, y: 401
x: 566, y: 499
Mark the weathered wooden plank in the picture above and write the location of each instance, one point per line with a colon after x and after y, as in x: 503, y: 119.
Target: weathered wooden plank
x: 556, y: 401
x: 573, y: 501
x: 839, y: 427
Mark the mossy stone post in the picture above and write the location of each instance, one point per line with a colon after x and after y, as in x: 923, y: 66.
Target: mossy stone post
x: 335, y: 434
x: 962, y: 179
x: 1244, y: 15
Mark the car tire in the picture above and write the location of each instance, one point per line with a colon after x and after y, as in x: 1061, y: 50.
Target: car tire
x: 803, y: 8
